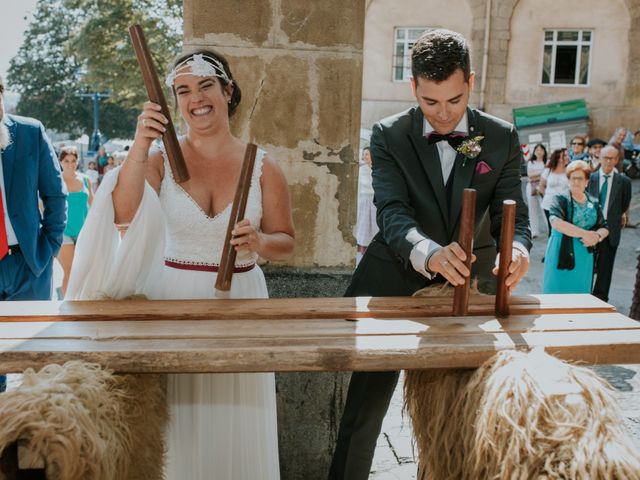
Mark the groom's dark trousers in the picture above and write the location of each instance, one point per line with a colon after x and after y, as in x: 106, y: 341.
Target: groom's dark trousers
x: 413, y: 203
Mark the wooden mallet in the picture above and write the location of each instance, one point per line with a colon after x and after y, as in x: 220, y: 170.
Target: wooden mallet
x: 507, y: 230
x: 228, y: 260
x: 465, y: 240
x: 156, y: 95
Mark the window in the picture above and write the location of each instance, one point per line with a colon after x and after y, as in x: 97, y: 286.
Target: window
x: 404, y: 40
x: 566, y: 57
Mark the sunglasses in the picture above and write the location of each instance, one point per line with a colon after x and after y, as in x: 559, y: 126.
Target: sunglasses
x: 577, y: 143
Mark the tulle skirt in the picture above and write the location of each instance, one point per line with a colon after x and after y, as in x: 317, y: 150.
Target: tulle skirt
x: 222, y: 426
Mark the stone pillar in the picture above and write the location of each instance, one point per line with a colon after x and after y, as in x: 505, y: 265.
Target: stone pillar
x: 299, y: 65
x: 633, y: 83
x: 501, y: 11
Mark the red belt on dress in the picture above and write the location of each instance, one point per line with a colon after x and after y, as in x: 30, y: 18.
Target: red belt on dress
x: 206, y: 267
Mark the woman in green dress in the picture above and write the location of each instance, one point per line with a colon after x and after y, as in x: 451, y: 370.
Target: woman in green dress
x: 78, y: 201
x: 578, y: 216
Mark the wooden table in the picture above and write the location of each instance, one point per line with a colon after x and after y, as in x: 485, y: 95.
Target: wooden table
x: 308, y: 334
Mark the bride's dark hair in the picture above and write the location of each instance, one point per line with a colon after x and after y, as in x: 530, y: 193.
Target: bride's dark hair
x: 236, y: 96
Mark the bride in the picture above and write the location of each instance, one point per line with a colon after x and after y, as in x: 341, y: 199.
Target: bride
x: 222, y: 426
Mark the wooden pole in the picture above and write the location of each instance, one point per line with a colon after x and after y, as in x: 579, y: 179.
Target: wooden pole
x: 506, y: 246
x: 465, y: 239
x: 228, y: 260
x: 156, y: 95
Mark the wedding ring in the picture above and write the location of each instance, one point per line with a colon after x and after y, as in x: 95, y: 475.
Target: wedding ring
x: 445, y: 263
x: 144, y: 122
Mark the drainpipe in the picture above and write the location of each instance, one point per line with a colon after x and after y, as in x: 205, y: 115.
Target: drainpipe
x: 485, y: 53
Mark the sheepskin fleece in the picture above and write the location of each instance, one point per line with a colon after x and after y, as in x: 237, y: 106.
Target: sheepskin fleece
x: 88, y: 424
x: 519, y: 416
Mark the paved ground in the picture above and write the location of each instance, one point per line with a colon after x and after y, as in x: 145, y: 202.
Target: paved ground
x: 394, y: 455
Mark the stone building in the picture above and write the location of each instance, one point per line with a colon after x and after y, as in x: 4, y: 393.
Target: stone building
x: 299, y: 65
x: 538, y: 51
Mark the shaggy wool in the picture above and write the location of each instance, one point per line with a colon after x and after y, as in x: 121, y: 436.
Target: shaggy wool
x: 519, y: 416
x: 87, y: 423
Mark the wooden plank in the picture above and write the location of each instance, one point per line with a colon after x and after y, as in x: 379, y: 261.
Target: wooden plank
x: 292, y: 328
x: 297, y: 308
x: 308, y: 354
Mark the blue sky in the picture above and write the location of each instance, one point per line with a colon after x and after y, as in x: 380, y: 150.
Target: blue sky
x: 13, y: 13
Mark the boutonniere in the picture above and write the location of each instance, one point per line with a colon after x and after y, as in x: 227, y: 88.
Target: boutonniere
x: 470, y: 148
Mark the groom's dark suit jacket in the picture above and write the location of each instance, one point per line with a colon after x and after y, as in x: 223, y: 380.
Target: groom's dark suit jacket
x: 410, y: 194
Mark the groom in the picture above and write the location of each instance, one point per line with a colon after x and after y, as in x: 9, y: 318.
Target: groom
x: 419, y: 174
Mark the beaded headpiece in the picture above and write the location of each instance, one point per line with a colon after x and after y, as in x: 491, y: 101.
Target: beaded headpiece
x: 211, y: 67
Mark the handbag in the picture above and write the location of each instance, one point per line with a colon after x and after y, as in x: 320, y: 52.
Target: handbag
x: 566, y: 256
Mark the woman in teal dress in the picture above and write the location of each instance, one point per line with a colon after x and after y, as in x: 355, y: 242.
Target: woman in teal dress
x: 578, y: 216
x: 78, y: 201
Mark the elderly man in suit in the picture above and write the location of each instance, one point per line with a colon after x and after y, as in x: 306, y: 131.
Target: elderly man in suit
x: 29, y: 240
x: 614, y: 193
x: 423, y: 159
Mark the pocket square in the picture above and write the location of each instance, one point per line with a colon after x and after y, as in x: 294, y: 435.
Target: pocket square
x: 483, y: 167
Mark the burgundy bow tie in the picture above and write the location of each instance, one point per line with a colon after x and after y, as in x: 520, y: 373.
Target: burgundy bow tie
x: 455, y: 139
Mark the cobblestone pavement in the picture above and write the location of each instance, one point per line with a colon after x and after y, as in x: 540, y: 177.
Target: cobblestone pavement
x: 394, y: 455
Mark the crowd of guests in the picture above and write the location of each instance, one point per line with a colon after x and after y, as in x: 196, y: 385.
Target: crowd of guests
x: 580, y: 197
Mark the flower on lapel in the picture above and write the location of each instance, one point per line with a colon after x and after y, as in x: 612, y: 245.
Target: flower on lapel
x: 470, y: 148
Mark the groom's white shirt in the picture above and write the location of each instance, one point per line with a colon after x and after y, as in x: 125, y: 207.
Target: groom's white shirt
x: 447, y: 152
x: 426, y: 247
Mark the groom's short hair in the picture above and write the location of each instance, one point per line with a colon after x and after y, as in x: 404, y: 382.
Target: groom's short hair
x: 437, y: 54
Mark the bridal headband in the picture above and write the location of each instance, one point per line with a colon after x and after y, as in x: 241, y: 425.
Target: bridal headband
x: 211, y: 67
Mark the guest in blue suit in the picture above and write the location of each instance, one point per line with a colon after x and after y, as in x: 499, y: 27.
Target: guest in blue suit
x: 29, y: 238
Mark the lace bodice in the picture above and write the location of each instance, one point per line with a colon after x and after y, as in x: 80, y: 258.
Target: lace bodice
x: 194, y: 237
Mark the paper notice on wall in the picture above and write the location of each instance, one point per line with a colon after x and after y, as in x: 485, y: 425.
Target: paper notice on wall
x: 535, y: 138
x: 557, y: 140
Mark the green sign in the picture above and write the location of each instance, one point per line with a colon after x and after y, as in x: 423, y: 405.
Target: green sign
x: 550, y: 113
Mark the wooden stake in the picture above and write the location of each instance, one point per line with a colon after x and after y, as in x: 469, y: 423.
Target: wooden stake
x: 228, y: 260
x: 506, y: 246
x: 465, y: 239
x: 156, y: 95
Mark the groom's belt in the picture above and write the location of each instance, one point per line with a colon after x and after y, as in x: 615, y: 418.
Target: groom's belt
x: 205, y: 267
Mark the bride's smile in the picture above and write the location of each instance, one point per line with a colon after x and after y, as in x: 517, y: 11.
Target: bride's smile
x: 201, y: 111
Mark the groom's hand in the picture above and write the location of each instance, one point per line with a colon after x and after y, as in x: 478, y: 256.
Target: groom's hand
x: 517, y: 268
x: 449, y: 262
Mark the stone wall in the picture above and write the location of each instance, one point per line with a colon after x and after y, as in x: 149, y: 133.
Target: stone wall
x: 299, y: 65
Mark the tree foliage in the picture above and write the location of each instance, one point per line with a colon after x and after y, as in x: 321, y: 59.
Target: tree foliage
x: 83, y: 45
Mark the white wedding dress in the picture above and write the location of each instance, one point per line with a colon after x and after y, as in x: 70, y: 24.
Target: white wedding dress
x: 222, y: 426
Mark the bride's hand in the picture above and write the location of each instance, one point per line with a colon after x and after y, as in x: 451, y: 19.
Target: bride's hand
x: 151, y: 125
x: 246, y: 238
